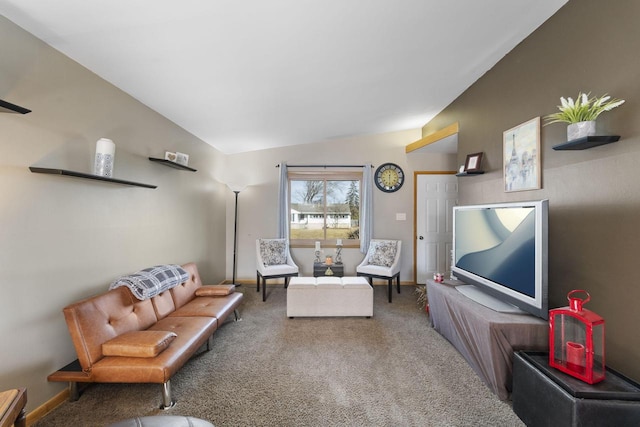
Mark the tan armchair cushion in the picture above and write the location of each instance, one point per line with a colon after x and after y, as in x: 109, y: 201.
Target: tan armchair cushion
x: 215, y: 290
x: 138, y: 344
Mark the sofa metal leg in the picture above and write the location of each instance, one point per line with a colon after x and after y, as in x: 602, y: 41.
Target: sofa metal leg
x: 74, y: 391
x: 210, y: 343
x: 166, y: 396
x: 237, y: 315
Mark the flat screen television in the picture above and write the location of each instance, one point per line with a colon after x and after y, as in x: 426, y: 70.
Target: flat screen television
x: 500, y: 253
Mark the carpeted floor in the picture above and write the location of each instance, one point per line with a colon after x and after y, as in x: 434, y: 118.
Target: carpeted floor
x: 268, y: 370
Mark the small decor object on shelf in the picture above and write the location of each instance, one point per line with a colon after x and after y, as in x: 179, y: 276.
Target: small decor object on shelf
x: 473, y: 163
x: 582, y: 113
x: 328, y: 260
x: 105, y: 155
x: 182, y: 159
x: 170, y: 155
x: 576, y: 340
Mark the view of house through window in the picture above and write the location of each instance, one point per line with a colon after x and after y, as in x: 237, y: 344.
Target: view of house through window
x: 324, y: 206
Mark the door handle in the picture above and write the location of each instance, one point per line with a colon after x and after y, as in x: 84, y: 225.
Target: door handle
x: 421, y: 238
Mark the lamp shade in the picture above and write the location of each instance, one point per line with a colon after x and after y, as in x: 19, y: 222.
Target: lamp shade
x: 236, y: 187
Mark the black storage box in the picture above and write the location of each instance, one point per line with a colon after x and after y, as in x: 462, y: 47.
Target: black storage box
x: 543, y: 396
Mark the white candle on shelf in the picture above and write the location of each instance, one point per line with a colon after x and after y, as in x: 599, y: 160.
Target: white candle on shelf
x: 105, y: 154
x: 339, y: 243
x: 317, y: 246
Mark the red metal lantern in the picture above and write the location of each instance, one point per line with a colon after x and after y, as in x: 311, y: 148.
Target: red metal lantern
x: 576, y: 340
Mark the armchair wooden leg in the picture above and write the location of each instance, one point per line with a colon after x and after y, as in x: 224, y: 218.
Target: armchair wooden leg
x: 398, y: 283
x: 390, y: 288
x: 264, y: 289
x: 257, y: 282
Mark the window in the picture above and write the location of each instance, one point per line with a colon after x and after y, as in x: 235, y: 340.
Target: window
x: 324, y: 206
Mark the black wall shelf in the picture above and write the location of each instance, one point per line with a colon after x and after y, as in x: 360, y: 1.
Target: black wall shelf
x: 587, y: 142
x: 64, y: 172
x: 470, y: 173
x: 172, y: 164
x: 7, y: 107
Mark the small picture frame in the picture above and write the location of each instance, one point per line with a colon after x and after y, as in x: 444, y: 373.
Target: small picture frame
x: 473, y: 162
x: 182, y: 159
x: 170, y: 155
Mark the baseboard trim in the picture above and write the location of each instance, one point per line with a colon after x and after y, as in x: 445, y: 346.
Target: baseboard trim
x: 48, y: 406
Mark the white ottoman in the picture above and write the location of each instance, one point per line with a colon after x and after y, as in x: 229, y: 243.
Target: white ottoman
x: 329, y: 296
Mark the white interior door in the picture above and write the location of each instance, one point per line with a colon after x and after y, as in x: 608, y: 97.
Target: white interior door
x: 436, y: 195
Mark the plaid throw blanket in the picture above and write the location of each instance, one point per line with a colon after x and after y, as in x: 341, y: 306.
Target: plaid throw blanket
x: 152, y: 281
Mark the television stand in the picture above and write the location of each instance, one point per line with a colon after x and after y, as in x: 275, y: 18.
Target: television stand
x: 487, y: 339
x: 476, y: 294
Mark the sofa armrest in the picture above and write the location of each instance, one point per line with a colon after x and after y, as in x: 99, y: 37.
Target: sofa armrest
x: 215, y: 290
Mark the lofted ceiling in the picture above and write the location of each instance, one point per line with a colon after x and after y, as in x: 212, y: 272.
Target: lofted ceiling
x: 246, y: 75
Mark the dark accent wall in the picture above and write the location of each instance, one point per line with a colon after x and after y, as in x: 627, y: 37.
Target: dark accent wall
x: 594, y: 195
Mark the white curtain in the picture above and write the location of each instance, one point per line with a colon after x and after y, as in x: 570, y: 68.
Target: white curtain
x: 283, y: 203
x: 366, y: 209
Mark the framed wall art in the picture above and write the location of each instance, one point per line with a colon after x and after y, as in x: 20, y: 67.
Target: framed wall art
x: 521, y: 156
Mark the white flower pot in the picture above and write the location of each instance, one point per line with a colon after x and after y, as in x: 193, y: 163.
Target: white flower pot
x: 581, y: 129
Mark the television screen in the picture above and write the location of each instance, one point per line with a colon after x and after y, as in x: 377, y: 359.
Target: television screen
x: 502, y: 249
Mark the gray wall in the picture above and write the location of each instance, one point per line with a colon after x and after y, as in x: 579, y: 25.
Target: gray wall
x: 62, y: 239
x: 594, y: 195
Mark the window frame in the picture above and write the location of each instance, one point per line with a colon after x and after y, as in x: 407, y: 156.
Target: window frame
x: 323, y: 175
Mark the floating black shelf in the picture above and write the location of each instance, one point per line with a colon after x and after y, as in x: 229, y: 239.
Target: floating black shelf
x: 587, y: 142
x: 64, y: 172
x: 7, y: 107
x: 172, y: 164
x: 471, y: 173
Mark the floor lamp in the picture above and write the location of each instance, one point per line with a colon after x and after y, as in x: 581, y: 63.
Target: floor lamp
x: 235, y: 236
x: 235, y: 239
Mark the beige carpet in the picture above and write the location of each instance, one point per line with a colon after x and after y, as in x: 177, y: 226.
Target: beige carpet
x: 268, y: 370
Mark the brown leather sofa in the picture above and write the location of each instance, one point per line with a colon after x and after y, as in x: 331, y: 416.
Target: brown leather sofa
x: 121, y: 339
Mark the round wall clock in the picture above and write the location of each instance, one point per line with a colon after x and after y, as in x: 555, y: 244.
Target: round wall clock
x: 389, y: 177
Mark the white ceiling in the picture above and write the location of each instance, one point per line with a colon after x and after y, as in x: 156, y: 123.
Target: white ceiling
x: 245, y: 75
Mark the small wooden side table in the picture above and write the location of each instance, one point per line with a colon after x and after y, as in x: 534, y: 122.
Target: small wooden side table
x: 322, y: 269
x: 12, y: 403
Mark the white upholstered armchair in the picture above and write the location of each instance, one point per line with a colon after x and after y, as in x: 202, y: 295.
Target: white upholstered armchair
x: 382, y: 261
x: 273, y: 261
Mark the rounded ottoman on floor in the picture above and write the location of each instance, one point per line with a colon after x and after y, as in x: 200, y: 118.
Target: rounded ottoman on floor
x: 160, y: 421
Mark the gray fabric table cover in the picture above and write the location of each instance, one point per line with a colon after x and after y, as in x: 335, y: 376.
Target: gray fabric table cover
x: 486, y: 338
